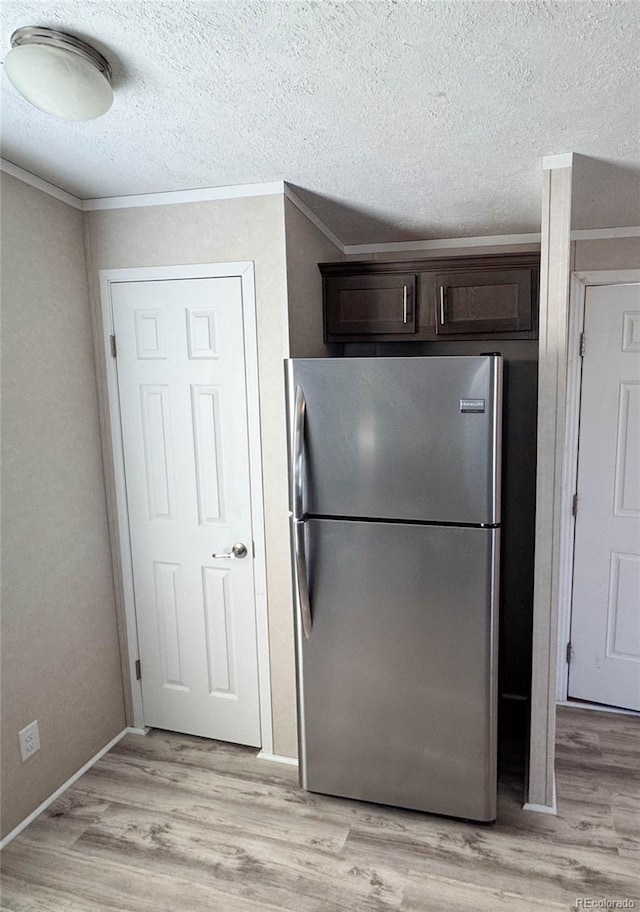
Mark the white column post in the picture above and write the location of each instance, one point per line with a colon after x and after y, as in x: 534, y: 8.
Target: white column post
x: 552, y: 376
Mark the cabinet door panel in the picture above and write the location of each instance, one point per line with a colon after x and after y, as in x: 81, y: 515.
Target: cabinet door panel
x: 370, y: 304
x: 481, y: 302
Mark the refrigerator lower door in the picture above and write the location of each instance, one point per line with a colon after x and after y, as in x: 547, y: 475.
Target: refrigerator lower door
x: 397, y: 680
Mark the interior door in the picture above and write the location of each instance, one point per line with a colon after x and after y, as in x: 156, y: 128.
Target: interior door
x: 605, y: 620
x: 181, y: 379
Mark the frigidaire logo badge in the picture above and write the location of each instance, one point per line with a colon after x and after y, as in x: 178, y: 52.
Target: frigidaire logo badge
x: 472, y: 405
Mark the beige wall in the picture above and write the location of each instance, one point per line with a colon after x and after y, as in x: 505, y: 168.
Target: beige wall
x: 60, y: 659
x: 613, y: 253
x: 306, y: 246
x: 212, y: 232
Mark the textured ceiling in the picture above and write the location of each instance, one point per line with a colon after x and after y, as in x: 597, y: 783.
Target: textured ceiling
x: 393, y: 120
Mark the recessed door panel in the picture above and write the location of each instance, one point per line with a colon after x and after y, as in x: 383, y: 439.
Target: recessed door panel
x: 206, y: 411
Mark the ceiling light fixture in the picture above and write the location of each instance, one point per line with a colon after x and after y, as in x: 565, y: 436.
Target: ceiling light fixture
x: 59, y: 74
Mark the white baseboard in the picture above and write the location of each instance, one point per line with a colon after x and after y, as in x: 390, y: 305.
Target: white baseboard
x: 277, y: 758
x: 541, y: 808
x: 544, y: 808
x: 137, y: 731
x: 59, y: 791
x: 598, y: 707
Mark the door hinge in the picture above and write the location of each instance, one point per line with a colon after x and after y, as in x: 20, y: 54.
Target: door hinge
x: 112, y: 342
x: 574, y: 505
x: 253, y: 549
x: 138, y: 670
x: 568, y: 652
x: 582, y: 345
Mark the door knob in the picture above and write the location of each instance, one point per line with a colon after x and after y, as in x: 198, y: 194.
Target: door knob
x: 237, y: 550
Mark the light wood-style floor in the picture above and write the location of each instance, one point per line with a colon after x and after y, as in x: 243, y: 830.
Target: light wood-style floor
x: 170, y: 823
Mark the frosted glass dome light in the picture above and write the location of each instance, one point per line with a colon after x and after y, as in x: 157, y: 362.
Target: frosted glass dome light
x: 59, y: 74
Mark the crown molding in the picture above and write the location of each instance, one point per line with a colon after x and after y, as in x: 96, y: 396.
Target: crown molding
x: 172, y: 197
x: 315, y: 219
x: 273, y: 188
x: 40, y: 184
x: 489, y: 240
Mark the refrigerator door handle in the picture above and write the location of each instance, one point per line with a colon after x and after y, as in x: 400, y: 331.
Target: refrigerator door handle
x: 302, y: 579
x: 299, y: 411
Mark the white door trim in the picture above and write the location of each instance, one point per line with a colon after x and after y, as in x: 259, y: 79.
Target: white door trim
x: 577, y: 296
x: 245, y: 272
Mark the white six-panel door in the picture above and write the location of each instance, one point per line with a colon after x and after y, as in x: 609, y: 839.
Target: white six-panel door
x: 183, y: 405
x: 605, y: 619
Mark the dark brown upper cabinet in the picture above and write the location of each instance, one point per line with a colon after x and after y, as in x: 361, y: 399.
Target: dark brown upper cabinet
x: 470, y: 297
x: 370, y: 304
x: 495, y: 301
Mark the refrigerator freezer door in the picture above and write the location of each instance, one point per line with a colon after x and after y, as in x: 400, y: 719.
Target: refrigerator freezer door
x: 401, y: 438
x: 397, y: 681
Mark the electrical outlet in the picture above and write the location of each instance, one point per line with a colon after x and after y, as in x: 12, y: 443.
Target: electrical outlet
x: 29, y: 739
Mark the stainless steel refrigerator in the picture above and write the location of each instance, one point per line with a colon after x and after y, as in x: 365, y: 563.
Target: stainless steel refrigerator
x: 395, y: 528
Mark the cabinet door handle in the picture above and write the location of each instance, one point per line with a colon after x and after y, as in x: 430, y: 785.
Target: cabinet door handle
x: 442, y: 320
x: 405, y: 295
